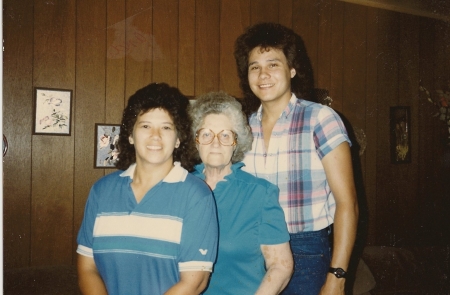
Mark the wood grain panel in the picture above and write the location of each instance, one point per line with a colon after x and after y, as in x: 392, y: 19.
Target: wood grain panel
x: 440, y: 200
x: 234, y: 19
x: 387, y: 78
x: 186, y: 47
x: 53, y: 156
x: 140, y: 45
x: 370, y: 154
x: 17, y: 125
x: 336, y: 43
x: 90, y: 97
x: 354, y: 73
x: 285, y: 8
x: 354, y: 101
x: 324, y: 48
x: 263, y: 11
x: 408, y: 96
x: 306, y: 24
x: 427, y: 124
x: 165, y: 32
x: 355, y: 65
x: 115, y: 61
x: 207, y: 46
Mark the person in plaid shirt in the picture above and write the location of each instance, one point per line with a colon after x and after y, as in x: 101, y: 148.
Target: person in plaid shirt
x: 304, y: 149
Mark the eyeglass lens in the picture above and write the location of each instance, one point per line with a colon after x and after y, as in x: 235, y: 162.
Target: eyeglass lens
x: 206, y: 136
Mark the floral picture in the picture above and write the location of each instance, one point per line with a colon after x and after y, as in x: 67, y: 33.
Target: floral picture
x: 400, y: 135
x: 52, y: 114
x: 106, y: 149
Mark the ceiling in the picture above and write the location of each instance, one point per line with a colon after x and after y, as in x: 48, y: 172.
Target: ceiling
x: 437, y: 9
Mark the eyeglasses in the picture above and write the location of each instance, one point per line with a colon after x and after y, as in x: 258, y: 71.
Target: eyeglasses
x: 206, y: 136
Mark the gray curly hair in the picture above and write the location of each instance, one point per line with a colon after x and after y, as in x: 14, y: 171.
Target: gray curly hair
x: 222, y: 103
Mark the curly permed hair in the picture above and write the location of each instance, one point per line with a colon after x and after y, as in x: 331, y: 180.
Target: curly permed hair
x: 157, y: 96
x: 222, y: 103
x: 267, y: 36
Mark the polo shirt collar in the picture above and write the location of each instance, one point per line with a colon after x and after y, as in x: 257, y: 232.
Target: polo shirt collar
x: 199, y: 168
x: 176, y: 174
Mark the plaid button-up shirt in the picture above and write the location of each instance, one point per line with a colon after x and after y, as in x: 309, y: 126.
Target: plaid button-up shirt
x: 304, y: 133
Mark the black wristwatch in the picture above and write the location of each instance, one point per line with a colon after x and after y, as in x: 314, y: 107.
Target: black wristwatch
x: 338, y: 272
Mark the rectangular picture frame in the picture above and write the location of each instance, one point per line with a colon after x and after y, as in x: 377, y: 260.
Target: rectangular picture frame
x: 106, y: 149
x: 400, y: 134
x: 52, y: 111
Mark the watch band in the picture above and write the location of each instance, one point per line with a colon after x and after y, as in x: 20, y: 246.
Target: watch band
x: 338, y: 272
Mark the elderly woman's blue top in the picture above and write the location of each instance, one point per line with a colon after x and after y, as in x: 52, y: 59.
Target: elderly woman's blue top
x: 249, y: 216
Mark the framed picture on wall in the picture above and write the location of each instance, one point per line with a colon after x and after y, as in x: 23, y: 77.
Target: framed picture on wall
x: 52, y: 111
x: 400, y: 133
x: 106, y: 150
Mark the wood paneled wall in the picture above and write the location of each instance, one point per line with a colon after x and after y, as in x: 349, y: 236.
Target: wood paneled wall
x: 369, y: 59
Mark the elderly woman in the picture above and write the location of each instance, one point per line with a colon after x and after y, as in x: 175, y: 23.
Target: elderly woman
x: 254, y: 256
x: 151, y: 228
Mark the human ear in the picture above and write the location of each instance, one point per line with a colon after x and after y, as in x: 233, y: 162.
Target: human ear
x: 130, y: 140
x: 293, y: 72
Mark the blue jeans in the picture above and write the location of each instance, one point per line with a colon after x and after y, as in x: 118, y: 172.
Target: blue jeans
x: 312, y: 256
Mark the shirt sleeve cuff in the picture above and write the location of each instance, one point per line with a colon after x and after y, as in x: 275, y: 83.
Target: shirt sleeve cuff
x: 195, y: 266
x: 85, y: 251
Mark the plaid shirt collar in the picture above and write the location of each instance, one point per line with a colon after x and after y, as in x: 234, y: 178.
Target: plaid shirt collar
x: 289, y: 108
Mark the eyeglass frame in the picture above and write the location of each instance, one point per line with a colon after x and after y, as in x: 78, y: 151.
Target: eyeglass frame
x: 216, y: 135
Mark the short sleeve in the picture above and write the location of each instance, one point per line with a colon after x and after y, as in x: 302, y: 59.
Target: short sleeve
x: 273, y: 229
x: 329, y: 131
x: 86, y: 233
x: 200, y: 233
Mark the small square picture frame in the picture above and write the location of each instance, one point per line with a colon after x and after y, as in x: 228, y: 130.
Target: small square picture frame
x: 106, y: 150
x: 400, y: 134
x: 52, y: 111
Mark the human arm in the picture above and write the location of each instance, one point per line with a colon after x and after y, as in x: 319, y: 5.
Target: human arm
x: 89, y: 279
x: 279, y: 265
x: 339, y: 172
x: 191, y: 282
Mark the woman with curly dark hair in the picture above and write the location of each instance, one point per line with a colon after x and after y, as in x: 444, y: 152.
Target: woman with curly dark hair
x: 175, y: 104
x: 152, y: 228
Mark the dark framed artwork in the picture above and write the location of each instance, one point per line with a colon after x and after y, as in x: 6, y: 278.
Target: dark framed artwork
x: 106, y: 150
x: 52, y: 111
x: 400, y: 129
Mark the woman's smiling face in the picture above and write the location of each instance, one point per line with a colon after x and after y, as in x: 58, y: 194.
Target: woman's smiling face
x: 154, y: 138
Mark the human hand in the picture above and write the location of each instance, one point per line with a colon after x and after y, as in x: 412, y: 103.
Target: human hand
x: 333, y: 286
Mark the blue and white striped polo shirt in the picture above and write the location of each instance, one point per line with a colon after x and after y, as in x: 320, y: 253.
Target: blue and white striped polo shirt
x: 140, y: 248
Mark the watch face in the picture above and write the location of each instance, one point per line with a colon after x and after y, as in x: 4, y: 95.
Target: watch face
x: 338, y: 272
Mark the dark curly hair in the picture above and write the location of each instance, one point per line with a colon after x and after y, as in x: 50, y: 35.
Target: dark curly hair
x: 272, y: 35
x: 157, y: 96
